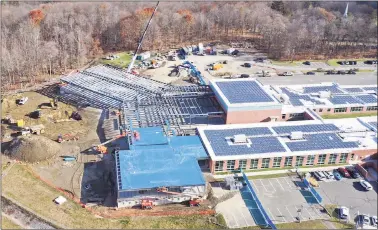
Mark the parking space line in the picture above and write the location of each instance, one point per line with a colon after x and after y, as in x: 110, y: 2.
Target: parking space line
x: 311, y: 216
x: 235, y: 220
x: 271, y: 215
x: 289, y: 212
x: 280, y: 184
x: 255, y: 187
x: 272, y: 185
x: 316, y: 211
x: 263, y: 185
x: 282, y: 215
x: 287, y: 182
x: 244, y: 218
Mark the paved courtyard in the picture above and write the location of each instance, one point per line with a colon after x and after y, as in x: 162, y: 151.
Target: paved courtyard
x: 284, y: 201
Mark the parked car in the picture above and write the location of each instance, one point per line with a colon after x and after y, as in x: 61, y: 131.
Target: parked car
x: 244, y: 76
x: 353, y: 172
x: 367, y: 186
x: 374, y: 221
x: 341, y: 72
x: 306, y: 63
x: 23, y: 100
x: 330, y: 72
x: 248, y: 65
x: 343, y: 212
x: 343, y: 172
x: 287, y: 74
x: 337, y: 175
x: 351, y: 72
x: 310, y: 73
x: 319, y: 176
x: 364, y: 219
x: 329, y: 175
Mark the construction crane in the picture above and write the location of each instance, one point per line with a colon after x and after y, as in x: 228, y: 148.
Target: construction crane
x: 103, y: 149
x: 141, y: 40
x: 196, y: 73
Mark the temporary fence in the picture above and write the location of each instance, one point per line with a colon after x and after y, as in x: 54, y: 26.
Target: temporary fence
x: 256, y: 209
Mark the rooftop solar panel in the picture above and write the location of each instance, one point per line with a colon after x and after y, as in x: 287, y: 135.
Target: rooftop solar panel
x: 295, y: 99
x: 341, y: 100
x: 353, y: 90
x: 374, y: 125
x: 367, y: 98
x: 317, y: 89
x: 320, y: 142
x: 243, y: 92
x: 315, y: 128
x: 371, y: 88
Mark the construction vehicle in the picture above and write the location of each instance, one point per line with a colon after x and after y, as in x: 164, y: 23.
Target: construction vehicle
x: 54, y: 103
x: 76, y: 116
x: 103, y: 149
x: 196, y: 75
x: 130, y: 67
x: 194, y: 200
x: 36, y: 114
x: 216, y: 66
x: 147, y: 204
x: 22, y: 101
x: 36, y: 129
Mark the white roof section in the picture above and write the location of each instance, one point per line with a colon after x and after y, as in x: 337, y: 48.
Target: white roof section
x: 350, y: 131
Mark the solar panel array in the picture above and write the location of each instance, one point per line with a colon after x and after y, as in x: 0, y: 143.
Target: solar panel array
x: 341, y: 100
x: 295, y: 98
x: 353, y: 90
x: 319, y: 142
x: 371, y: 88
x: 315, y: 128
x: 374, y: 125
x: 367, y: 98
x: 316, y: 89
x: 243, y: 92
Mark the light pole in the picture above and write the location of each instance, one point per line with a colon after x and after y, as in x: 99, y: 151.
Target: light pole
x: 299, y: 211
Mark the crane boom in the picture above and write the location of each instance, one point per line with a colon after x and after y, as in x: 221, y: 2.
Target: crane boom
x: 141, y: 40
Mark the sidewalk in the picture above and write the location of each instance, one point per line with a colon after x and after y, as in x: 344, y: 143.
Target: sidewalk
x: 270, y: 172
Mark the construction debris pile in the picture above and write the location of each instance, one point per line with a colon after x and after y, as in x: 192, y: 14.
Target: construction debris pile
x: 33, y: 149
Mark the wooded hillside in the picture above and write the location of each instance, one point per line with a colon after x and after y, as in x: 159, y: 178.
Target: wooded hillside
x: 52, y: 37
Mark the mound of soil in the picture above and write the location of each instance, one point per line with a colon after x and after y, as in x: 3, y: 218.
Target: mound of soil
x: 33, y: 149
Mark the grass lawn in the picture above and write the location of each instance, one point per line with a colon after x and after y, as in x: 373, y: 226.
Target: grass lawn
x: 313, y: 224
x: 349, y: 115
x: 8, y: 224
x: 333, y: 62
x: 123, y: 60
x: 19, y: 182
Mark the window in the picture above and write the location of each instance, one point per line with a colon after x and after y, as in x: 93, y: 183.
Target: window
x: 340, y: 110
x: 299, y: 161
x: 320, y: 110
x: 296, y: 115
x: 356, y: 109
x: 332, y: 159
x: 288, y: 161
x: 321, y: 159
x: 231, y: 165
x: 283, y: 116
x: 328, y: 110
x: 277, y: 162
x: 242, y: 164
x: 370, y: 108
x: 343, y: 157
x: 265, y: 163
x: 218, y: 166
x: 254, y: 163
x: 310, y: 160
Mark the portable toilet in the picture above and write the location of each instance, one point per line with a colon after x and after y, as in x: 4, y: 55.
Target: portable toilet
x: 200, y: 48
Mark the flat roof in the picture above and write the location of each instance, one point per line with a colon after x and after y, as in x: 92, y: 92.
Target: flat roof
x: 149, y: 168
x: 340, y: 96
x: 243, y: 92
x: 272, y: 139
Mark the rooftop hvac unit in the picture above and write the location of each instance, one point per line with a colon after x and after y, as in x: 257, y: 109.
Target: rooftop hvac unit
x: 296, y: 135
x: 240, y: 138
x: 285, y: 98
x: 325, y: 94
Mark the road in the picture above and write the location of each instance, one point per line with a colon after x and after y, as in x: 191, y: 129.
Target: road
x: 358, y: 79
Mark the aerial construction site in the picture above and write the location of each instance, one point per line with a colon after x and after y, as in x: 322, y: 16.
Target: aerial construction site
x: 216, y: 131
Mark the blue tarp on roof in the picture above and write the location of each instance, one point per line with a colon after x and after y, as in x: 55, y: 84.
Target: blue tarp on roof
x: 153, y: 168
x: 150, y: 136
x: 189, y: 146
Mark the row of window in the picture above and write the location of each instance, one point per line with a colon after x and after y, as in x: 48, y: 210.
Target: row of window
x: 336, y: 110
x: 265, y: 162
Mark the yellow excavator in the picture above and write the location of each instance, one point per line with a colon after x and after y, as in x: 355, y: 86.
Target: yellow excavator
x: 103, y: 149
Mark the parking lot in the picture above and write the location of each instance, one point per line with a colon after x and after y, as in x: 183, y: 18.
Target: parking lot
x: 349, y: 193
x: 284, y: 200
x: 316, y: 65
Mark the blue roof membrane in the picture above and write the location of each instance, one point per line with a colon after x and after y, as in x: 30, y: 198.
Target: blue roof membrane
x: 243, y: 92
x: 189, y: 146
x: 153, y: 168
x: 150, y: 136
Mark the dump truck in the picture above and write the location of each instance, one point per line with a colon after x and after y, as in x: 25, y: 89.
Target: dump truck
x: 36, y: 129
x: 217, y: 66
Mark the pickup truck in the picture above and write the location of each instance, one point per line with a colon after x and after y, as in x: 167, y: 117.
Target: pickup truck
x: 287, y: 74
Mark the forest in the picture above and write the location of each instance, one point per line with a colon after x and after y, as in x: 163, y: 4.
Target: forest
x: 41, y: 38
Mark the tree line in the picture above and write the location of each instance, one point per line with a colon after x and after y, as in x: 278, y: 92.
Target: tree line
x: 48, y: 38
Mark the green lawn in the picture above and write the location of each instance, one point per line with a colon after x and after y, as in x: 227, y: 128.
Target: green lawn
x: 123, y: 60
x: 8, y: 224
x: 313, y: 224
x: 70, y: 215
x: 333, y: 62
x: 349, y: 115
